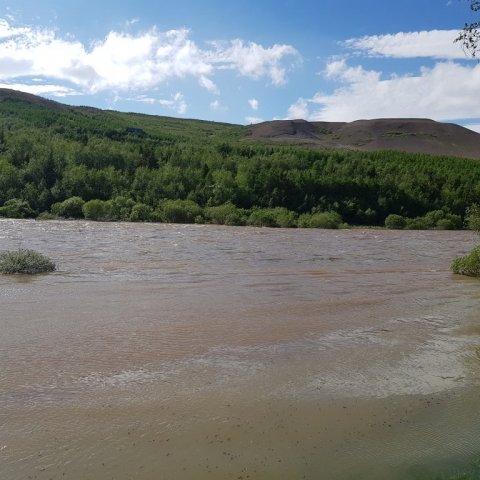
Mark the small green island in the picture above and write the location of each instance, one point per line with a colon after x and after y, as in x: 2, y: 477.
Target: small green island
x: 470, y: 264
x: 25, y: 261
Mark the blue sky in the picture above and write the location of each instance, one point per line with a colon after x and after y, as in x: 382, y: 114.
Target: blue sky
x: 248, y: 61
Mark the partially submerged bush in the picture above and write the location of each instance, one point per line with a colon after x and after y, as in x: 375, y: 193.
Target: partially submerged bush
x: 46, y: 216
x: 25, y: 261
x: 69, y: 208
x: 177, y: 211
x: 468, y: 265
x: 285, y: 218
x: 450, y: 222
x: 435, y: 219
x: 96, y: 210
x: 395, y: 222
x: 418, y: 223
x: 260, y: 217
x: 120, y: 208
x: 472, y: 218
x: 16, y: 208
x: 141, y: 213
x: 226, y: 214
x: 320, y: 220
x: 272, y: 217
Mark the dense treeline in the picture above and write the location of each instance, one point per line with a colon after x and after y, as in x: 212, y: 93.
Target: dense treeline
x: 111, y: 166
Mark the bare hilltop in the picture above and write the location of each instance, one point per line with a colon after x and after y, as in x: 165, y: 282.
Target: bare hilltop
x: 416, y: 135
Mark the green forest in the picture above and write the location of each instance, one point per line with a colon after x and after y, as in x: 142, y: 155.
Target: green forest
x: 80, y: 162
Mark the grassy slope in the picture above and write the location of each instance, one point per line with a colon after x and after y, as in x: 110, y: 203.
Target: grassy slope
x: 20, y: 110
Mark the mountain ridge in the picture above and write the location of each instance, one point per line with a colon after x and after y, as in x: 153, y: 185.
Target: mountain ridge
x: 411, y: 135
x: 414, y: 135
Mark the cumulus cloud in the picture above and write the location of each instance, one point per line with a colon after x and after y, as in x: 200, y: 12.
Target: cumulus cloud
x: 123, y: 61
x: 253, y: 60
x: 253, y: 102
x: 442, y: 92
x: 433, y: 43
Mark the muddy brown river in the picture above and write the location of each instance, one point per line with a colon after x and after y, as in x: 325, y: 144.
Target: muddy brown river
x: 205, y: 352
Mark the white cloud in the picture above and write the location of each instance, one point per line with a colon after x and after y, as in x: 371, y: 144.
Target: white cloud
x: 131, y: 22
x: 253, y: 60
x: 216, y: 105
x: 253, y: 102
x: 205, y: 82
x: 123, y: 61
x: 300, y: 109
x: 44, y: 89
x: 7, y: 31
x: 176, y: 102
x: 251, y: 120
x: 442, y: 92
x: 433, y: 43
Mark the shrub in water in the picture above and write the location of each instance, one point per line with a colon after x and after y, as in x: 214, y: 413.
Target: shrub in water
x: 450, y: 222
x: 120, y: 208
x: 25, y: 261
x: 473, y: 218
x: 96, y: 210
x: 396, y: 222
x: 285, y: 218
x: 141, y: 213
x: 433, y: 217
x: 320, y: 220
x: 46, y: 216
x: 272, y: 217
x: 468, y: 265
x: 262, y: 218
x: 178, y: 211
x: 16, y: 208
x: 70, y: 208
x: 417, y: 223
x: 226, y: 214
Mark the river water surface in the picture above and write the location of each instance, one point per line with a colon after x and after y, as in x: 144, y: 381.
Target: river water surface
x: 205, y: 352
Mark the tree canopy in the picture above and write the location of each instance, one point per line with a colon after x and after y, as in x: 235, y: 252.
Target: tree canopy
x: 470, y: 35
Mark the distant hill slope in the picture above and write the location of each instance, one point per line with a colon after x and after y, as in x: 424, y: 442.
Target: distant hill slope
x: 7, y: 94
x: 27, y: 110
x: 403, y: 134
x: 407, y: 135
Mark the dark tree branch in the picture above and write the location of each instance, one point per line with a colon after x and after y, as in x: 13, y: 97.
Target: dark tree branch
x: 470, y: 35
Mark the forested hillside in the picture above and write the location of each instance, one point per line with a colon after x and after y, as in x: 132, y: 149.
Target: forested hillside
x: 105, y: 165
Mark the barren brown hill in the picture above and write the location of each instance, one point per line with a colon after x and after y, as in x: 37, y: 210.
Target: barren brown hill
x: 404, y: 134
